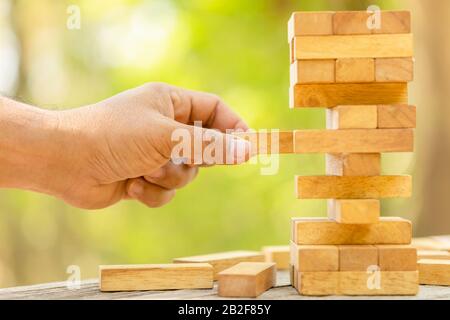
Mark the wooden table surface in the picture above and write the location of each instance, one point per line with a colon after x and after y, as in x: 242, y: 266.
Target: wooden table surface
x: 90, y: 290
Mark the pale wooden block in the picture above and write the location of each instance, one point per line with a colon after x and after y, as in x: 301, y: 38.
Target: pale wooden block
x: 429, y: 244
x: 434, y: 272
x: 354, y: 141
x: 394, y: 69
x: 355, y: 70
x: 310, y: 23
x: 156, y: 277
x: 349, y: 187
x: 277, y: 254
x: 223, y: 260
x: 352, y: 117
x: 390, y: 283
x: 291, y: 52
x: 314, y: 231
x: 317, y: 283
x: 357, y: 257
x: 353, y: 46
x: 333, y: 95
x: 315, y: 257
x: 312, y: 71
x: 353, y: 164
x: 363, y: 211
x: 394, y: 22
x: 397, y: 258
x: 269, y: 142
x: 396, y: 116
x: 247, y: 279
x: 433, y: 254
x: 351, y: 22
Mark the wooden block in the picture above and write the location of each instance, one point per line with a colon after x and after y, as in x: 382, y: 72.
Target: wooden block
x: 317, y: 283
x: 156, y: 277
x: 353, y: 164
x: 352, y: 117
x: 277, y: 254
x: 363, y: 211
x: 397, y: 258
x: 223, y: 260
x: 379, y: 283
x: 396, y: 116
x: 291, y: 275
x: 394, y: 22
x: 312, y: 71
x: 355, y: 70
x: 315, y: 257
x: 434, y: 272
x: 433, y: 254
x: 333, y: 95
x: 353, y: 141
x: 351, y: 22
x: 269, y: 142
x: 310, y: 23
x: 247, y: 279
x: 291, y: 52
x: 429, y: 244
x: 357, y: 257
x: 354, y: 46
x: 315, y: 231
x: 348, y: 187
x: 394, y: 69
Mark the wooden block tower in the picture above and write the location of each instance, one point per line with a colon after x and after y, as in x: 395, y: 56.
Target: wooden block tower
x: 357, y: 65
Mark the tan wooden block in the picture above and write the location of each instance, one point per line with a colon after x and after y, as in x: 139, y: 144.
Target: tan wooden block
x: 315, y: 231
x: 315, y: 257
x: 156, y: 277
x: 433, y: 254
x: 394, y: 22
x: 292, y: 276
x: 397, y: 258
x: 357, y: 257
x: 396, y: 116
x: 353, y: 141
x: 429, y: 244
x: 434, y: 272
x: 355, y: 70
x: 353, y: 164
x: 223, y: 260
x: 310, y: 23
x: 317, y: 283
x: 364, y: 211
x: 352, y: 117
x: 394, y: 69
x: 333, y: 95
x: 348, y: 187
x: 351, y: 22
x: 269, y: 142
x: 312, y: 71
x: 247, y: 279
x: 354, y: 46
x: 379, y: 283
x: 280, y: 255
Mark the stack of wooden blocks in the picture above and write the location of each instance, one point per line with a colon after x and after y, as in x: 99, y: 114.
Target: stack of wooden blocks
x: 359, y: 71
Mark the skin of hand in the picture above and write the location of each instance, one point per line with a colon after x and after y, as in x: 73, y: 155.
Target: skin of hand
x: 119, y: 148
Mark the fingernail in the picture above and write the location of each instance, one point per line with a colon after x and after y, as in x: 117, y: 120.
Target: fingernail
x: 157, y: 174
x: 137, y: 189
x: 239, y: 149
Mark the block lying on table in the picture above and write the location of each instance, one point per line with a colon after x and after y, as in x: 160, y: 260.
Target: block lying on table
x: 156, y: 277
x: 434, y: 272
x: 389, y: 230
x: 354, y: 211
x: 223, y: 260
x: 247, y: 279
x: 277, y: 254
x: 314, y: 257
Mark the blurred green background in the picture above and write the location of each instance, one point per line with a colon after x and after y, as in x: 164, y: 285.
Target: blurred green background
x: 235, y: 48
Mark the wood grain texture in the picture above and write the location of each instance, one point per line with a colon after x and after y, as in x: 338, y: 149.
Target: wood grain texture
x: 156, y: 277
x: 397, y: 258
x: 223, y: 260
x: 333, y: 95
x: 394, y: 69
x: 317, y: 283
x: 280, y: 255
x: 352, y: 117
x: 353, y: 46
x: 433, y: 254
x: 348, y: 187
x: 434, y: 272
x: 362, y: 211
x: 318, y: 231
x: 353, y: 164
x: 315, y: 257
x: 357, y: 257
x: 394, y: 22
x: 353, y: 141
x: 312, y: 71
x: 269, y: 142
x: 396, y: 116
x: 310, y: 23
x: 247, y: 279
x: 351, y: 23
x: 354, y: 70
x: 430, y: 244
